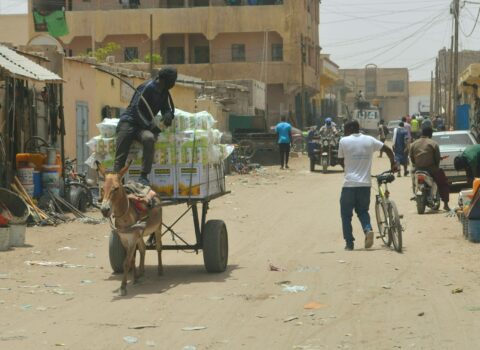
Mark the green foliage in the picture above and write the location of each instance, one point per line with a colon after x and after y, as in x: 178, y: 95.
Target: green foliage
x: 156, y: 58
x: 101, y: 53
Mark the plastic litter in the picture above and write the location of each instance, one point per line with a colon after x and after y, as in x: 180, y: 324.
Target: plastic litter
x: 291, y: 318
x: 457, y: 290
x: 313, y: 306
x: 45, y: 263
x: 130, y: 340
x: 294, y: 289
x: 26, y: 306
x: 194, y: 328
x: 189, y: 347
x: 150, y: 343
x: 66, y: 248
x: 142, y: 326
x: 86, y: 282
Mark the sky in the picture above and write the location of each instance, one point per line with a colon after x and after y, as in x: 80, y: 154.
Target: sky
x: 394, y: 33
x: 388, y: 33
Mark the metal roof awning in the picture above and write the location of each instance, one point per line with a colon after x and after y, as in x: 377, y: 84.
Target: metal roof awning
x: 23, y: 68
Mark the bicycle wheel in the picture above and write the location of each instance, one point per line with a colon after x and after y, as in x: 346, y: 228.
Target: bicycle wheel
x: 395, y: 226
x: 382, y: 218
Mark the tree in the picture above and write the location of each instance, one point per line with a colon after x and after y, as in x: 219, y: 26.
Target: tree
x: 156, y: 58
x: 101, y: 53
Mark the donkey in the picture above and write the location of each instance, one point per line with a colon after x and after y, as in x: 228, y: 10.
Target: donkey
x: 130, y: 226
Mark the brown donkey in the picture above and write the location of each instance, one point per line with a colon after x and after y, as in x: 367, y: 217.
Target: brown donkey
x: 126, y: 223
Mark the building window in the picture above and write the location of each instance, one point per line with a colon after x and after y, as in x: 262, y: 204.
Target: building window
x: 175, y: 55
x: 175, y: 3
x: 370, y: 87
x: 277, y: 52
x: 396, y: 86
x: 202, y: 54
x: 130, y: 54
x: 238, y: 52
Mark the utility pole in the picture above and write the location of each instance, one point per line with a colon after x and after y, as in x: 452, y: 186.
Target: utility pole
x: 431, y: 94
x: 303, y: 58
x: 450, y: 84
x: 437, y: 88
x: 456, y: 14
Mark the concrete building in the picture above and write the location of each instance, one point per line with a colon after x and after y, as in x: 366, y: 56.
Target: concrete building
x: 209, y: 39
x: 385, y: 87
x: 329, y: 94
x: 420, y: 92
x: 14, y: 29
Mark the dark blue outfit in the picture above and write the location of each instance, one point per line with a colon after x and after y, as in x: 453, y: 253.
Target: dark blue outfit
x: 136, y: 123
x: 400, y: 145
x: 358, y: 199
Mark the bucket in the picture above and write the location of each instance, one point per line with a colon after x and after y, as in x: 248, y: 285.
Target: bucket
x: 17, y: 206
x: 37, y: 159
x: 25, y: 175
x: 37, y: 184
x: 4, y: 238
x: 51, y: 178
x: 17, y: 235
x: 474, y: 231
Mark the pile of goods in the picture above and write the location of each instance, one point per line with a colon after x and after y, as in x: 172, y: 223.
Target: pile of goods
x: 188, y: 161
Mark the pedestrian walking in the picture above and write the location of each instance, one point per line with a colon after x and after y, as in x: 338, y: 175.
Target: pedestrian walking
x: 415, y: 127
x: 284, y: 135
x: 355, y: 154
x: 382, y: 134
x: 400, y: 148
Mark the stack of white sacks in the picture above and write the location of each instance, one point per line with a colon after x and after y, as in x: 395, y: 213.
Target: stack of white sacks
x: 188, y: 161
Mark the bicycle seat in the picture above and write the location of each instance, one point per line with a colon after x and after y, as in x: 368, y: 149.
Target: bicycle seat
x: 385, y: 179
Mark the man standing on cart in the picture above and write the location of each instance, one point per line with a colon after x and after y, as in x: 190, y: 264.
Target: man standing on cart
x: 137, y: 122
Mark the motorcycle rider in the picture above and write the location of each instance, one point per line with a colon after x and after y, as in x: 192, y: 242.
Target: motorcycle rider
x: 329, y: 129
x: 137, y: 123
x: 425, y: 156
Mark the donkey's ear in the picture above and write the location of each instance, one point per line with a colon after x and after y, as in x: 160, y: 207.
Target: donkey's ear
x: 122, y: 172
x: 100, y: 168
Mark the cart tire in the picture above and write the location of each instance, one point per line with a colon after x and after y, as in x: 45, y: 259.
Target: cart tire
x: 215, y: 246
x: 79, y: 198
x: 116, y: 253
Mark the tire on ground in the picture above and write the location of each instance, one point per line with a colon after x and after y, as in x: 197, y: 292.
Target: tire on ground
x: 215, y: 246
x: 116, y: 253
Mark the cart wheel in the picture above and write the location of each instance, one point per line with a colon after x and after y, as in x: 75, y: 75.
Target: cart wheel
x: 215, y: 246
x: 116, y: 253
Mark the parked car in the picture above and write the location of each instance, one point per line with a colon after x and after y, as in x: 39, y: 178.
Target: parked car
x: 452, y: 144
x: 391, y: 125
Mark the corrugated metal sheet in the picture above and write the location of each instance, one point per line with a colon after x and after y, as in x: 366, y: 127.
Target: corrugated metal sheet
x: 22, y: 67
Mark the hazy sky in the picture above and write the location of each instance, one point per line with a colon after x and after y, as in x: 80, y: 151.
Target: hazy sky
x: 394, y: 33
x: 388, y: 33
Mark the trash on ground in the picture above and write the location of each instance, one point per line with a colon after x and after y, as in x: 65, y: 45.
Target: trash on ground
x: 45, y: 263
x: 130, y: 340
x: 294, y: 289
x: 51, y: 285
x: 215, y: 298
x: 307, y: 269
x: 474, y: 308
x: 290, y: 319
x: 59, y: 344
x: 150, y: 343
x: 3, y: 276
x: 457, y: 290
x: 275, y: 268
x: 283, y: 282
x: 327, y: 252
x: 189, y: 347
x: 142, y: 326
x: 91, y: 255
x: 194, y: 328
x: 386, y: 287
x: 313, y: 306
x: 61, y: 292
x: 420, y: 314
x: 41, y: 308
x: 341, y: 261
x: 66, y: 248
x: 86, y: 282
x: 26, y: 306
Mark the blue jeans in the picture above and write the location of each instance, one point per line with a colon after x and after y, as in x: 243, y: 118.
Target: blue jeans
x: 357, y: 198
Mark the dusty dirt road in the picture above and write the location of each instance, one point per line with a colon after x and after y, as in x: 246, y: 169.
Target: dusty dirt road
x: 375, y: 299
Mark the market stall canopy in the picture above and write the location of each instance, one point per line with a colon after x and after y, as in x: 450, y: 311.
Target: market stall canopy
x: 21, y: 67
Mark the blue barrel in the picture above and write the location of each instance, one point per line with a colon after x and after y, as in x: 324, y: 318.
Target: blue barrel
x: 474, y: 231
x: 37, y: 184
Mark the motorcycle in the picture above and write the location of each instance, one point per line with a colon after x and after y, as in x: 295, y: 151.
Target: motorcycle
x: 426, y: 192
x: 323, y: 150
x: 77, y: 188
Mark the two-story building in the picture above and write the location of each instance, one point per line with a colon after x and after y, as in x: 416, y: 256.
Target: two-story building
x: 209, y: 39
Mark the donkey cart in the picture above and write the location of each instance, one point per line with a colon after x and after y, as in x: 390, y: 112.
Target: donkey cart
x: 211, y: 236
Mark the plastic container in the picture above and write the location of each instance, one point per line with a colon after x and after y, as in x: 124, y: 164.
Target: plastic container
x: 25, y: 175
x: 17, y: 235
x: 474, y: 231
x: 51, y: 178
x: 51, y: 156
x: 37, y: 184
x: 37, y: 159
x: 4, y: 238
x: 17, y: 206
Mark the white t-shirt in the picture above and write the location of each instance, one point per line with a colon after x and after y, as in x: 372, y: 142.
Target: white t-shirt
x: 357, y: 151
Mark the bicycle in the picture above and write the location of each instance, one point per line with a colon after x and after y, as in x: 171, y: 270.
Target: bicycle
x: 386, y: 212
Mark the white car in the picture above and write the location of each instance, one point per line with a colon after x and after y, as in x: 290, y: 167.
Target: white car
x: 452, y: 144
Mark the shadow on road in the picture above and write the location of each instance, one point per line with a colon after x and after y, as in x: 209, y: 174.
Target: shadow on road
x: 173, y: 276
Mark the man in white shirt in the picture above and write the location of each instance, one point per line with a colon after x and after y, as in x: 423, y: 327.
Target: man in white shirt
x: 356, y: 152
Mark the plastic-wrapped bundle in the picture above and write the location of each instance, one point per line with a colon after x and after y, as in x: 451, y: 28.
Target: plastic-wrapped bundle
x: 108, y: 127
